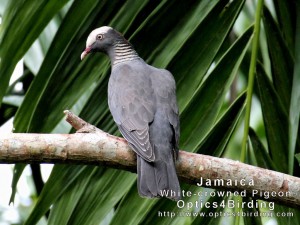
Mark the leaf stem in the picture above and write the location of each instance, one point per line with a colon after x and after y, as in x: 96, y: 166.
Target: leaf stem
x: 295, y: 98
x: 251, y: 76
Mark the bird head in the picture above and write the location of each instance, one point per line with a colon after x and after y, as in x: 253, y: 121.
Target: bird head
x: 101, y: 40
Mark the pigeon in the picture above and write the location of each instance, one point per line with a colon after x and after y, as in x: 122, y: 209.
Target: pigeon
x: 142, y: 101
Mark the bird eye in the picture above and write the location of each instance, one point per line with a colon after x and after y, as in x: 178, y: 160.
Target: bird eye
x: 99, y: 36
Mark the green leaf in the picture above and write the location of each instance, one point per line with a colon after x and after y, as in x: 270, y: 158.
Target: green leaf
x: 98, y: 112
x: 36, y: 54
x: 291, y: 215
x: 101, y: 201
x: 208, y: 99
x: 53, y: 189
x: 295, y: 100
x: 175, y: 40
x: 281, y: 59
x: 137, y: 206
x: 286, y: 12
x: 254, y: 212
x: 18, y: 170
x: 11, y: 48
x: 298, y: 157
x: 261, y: 155
x: 191, y: 63
x: 275, y: 120
x: 62, y: 210
x: 217, y: 138
x: 45, y: 100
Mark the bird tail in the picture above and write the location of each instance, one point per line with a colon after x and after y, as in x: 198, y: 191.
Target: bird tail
x: 158, y: 179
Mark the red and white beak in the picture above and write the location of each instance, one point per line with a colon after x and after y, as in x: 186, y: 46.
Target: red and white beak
x: 85, y: 53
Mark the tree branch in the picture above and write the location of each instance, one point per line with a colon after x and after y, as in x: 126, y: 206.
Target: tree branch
x: 90, y: 145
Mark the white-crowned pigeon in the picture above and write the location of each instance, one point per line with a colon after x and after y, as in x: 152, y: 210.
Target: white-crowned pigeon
x: 142, y: 100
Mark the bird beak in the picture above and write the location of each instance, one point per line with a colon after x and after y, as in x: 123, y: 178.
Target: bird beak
x: 85, y: 52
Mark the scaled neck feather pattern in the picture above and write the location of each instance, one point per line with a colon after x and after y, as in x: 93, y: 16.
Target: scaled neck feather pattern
x: 123, y: 51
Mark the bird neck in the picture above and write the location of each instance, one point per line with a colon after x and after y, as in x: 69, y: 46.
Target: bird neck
x: 122, y: 51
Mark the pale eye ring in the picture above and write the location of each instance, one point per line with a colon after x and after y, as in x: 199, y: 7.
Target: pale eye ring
x: 99, y: 37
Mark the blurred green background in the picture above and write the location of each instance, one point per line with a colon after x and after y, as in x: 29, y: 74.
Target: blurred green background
x: 206, y: 44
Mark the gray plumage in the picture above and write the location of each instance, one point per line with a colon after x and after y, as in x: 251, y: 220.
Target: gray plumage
x: 142, y: 100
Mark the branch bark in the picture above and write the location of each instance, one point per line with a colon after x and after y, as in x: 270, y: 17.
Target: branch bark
x: 90, y: 145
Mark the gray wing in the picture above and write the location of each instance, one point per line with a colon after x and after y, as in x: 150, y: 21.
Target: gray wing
x: 132, y: 104
x: 166, y: 99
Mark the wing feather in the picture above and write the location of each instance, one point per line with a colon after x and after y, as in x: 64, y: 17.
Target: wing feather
x: 139, y: 141
x: 132, y: 105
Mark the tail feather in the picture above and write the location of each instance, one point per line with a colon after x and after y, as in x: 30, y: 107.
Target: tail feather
x: 157, y: 179
x: 146, y: 176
